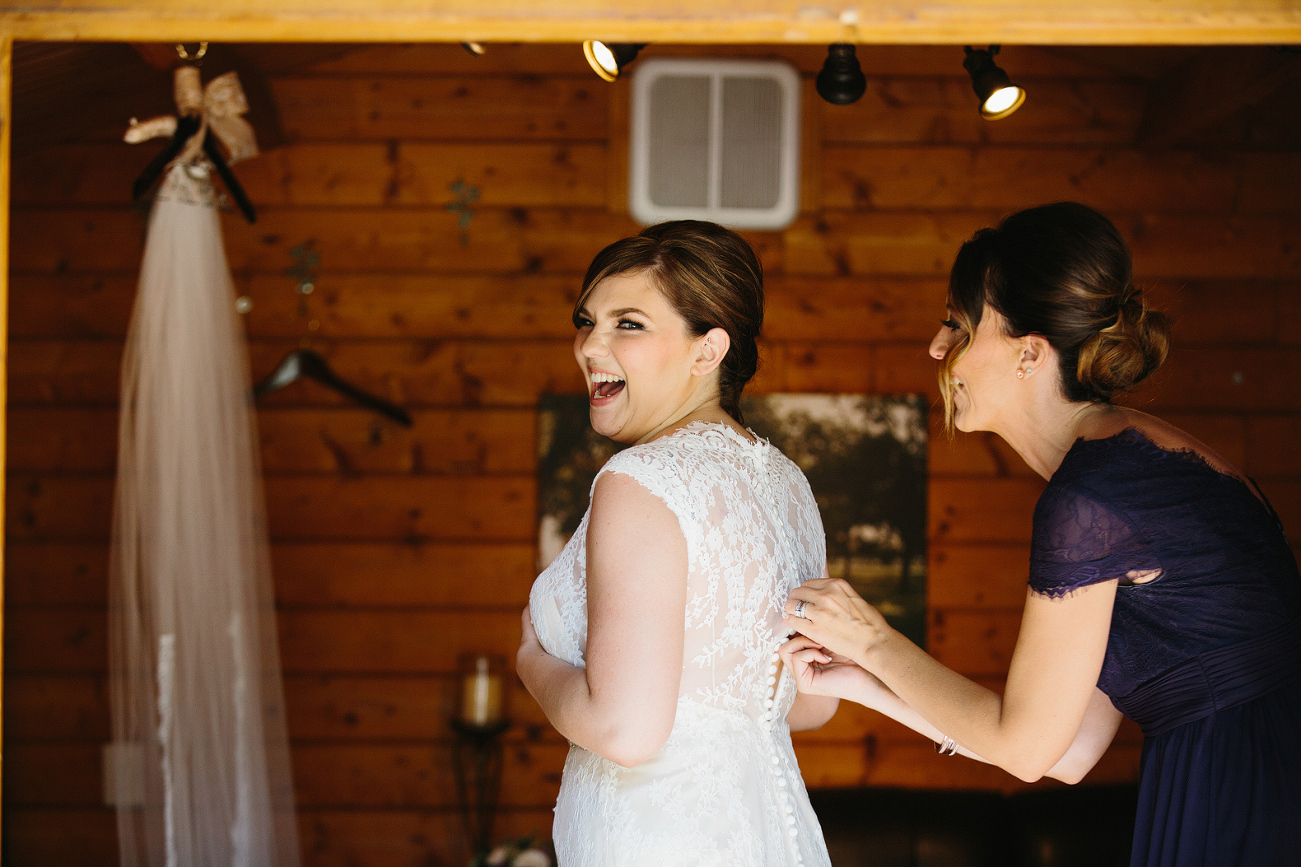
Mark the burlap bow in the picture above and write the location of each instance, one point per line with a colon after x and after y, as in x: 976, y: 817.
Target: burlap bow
x: 218, y: 106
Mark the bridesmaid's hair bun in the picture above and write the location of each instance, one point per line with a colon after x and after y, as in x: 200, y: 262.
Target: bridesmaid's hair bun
x: 1122, y: 354
x: 1062, y: 271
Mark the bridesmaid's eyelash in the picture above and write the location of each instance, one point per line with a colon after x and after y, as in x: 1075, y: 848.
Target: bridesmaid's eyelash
x: 949, y: 323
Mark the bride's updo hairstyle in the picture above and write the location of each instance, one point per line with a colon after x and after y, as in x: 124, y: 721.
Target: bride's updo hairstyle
x: 1061, y: 271
x: 710, y: 276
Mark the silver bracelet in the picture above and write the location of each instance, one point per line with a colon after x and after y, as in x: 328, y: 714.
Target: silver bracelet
x: 947, y: 747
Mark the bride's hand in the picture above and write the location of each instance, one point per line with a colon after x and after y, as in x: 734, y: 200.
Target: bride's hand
x: 818, y: 671
x: 528, y: 636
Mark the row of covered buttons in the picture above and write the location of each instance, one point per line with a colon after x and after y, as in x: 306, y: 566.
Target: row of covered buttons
x: 782, y: 789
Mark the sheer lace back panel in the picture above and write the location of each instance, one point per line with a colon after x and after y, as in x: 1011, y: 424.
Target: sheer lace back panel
x: 753, y: 534
x: 725, y: 789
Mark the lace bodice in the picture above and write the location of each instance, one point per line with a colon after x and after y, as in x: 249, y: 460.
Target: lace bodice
x: 725, y: 789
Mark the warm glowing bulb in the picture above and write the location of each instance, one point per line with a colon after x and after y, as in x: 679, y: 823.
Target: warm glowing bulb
x: 601, y: 59
x: 1003, y: 102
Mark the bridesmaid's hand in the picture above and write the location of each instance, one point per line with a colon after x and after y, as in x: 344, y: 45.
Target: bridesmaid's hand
x: 828, y: 611
x: 820, y: 672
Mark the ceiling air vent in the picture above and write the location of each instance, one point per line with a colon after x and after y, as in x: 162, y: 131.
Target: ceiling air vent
x: 715, y: 140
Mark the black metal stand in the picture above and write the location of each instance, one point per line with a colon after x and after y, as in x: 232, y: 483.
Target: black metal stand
x: 477, y: 762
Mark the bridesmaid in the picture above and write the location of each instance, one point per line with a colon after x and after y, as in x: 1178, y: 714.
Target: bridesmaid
x: 1161, y: 585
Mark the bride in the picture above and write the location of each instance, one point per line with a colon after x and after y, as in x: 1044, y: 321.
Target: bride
x: 651, y: 641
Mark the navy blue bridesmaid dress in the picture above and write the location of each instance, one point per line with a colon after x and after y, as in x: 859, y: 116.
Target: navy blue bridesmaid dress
x: 1205, y: 656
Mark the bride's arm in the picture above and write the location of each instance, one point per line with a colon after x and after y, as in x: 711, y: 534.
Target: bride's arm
x: 811, y: 711
x: 622, y: 705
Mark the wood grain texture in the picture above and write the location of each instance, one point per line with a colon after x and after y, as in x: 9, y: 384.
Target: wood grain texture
x: 753, y: 21
x: 396, y: 550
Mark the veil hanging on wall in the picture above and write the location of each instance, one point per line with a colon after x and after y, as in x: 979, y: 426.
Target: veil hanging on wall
x: 201, y: 764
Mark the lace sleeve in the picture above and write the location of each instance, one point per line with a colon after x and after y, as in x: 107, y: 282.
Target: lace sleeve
x: 656, y: 470
x: 1080, y: 540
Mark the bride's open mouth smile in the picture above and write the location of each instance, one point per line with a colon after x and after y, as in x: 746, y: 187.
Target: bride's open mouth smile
x: 605, y: 386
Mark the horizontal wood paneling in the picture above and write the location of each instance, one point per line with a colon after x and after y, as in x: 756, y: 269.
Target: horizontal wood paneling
x: 345, y: 173
x: 341, y: 440
x: 415, y: 372
x: 420, y: 776
x: 306, y: 574
x: 395, y: 550
x: 982, y: 575
x: 1169, y: 246
x: 405, y: 508
x: 498, y: 240
x: 1112, y: 179
x: 552, y: 107
x: 339, y: 708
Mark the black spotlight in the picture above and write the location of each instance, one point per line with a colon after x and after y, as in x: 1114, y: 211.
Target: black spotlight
x: 608, y: 59
x: 999, y: 97
x: 841, y: 80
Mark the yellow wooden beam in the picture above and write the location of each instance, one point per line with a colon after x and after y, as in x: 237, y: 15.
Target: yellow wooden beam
x: 6, y: 91
x: 1042, y: 22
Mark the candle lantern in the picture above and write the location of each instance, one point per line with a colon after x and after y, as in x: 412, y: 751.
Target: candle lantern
x: 481, y: 690
x: 479, y: 723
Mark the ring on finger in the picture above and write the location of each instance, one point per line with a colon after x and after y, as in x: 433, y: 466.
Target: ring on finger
x: 799, y: 608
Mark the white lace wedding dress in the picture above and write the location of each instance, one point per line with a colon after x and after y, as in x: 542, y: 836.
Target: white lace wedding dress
x: 725, y: 790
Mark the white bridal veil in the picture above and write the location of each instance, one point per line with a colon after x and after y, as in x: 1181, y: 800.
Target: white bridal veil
x: 201, y: 766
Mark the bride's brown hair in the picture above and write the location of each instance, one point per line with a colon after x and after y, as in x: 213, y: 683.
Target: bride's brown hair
x: 1061, y: 271
x: 710, y: 276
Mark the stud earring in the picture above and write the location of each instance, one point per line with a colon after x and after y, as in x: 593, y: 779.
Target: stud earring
x: 1020, y: 374
x: 1029, y: 371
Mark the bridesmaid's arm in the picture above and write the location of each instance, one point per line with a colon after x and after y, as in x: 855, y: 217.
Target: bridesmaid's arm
x: 622, y: 705
x: 1051, y: 682
x: 818, y: 672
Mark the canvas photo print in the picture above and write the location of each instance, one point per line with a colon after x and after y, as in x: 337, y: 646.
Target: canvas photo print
x: 864, y: 456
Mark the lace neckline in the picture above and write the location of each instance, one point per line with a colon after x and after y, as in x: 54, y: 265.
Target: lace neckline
x: 729, y: 432
x: 1135, y: 437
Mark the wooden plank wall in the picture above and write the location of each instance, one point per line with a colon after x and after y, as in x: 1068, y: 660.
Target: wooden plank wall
x: 395, y: 550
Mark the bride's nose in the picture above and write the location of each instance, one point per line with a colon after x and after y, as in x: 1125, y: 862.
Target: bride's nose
x: 592, y: 344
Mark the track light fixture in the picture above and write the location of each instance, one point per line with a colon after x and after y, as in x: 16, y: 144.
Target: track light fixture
x: 999, y: 97
x: 841, y: 80
x: 608, y: 59
x: 475, y: 48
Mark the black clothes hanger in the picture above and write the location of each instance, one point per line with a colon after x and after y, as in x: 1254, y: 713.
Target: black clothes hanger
x: 228, y: 178
x: 186, y: 127
x: 305, y: 362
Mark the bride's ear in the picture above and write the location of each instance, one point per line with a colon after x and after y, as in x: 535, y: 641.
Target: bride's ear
x: 711, y: 349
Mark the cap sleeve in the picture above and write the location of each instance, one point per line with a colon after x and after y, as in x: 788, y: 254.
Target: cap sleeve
x: 657, y: 470
x: 1080, y: 539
